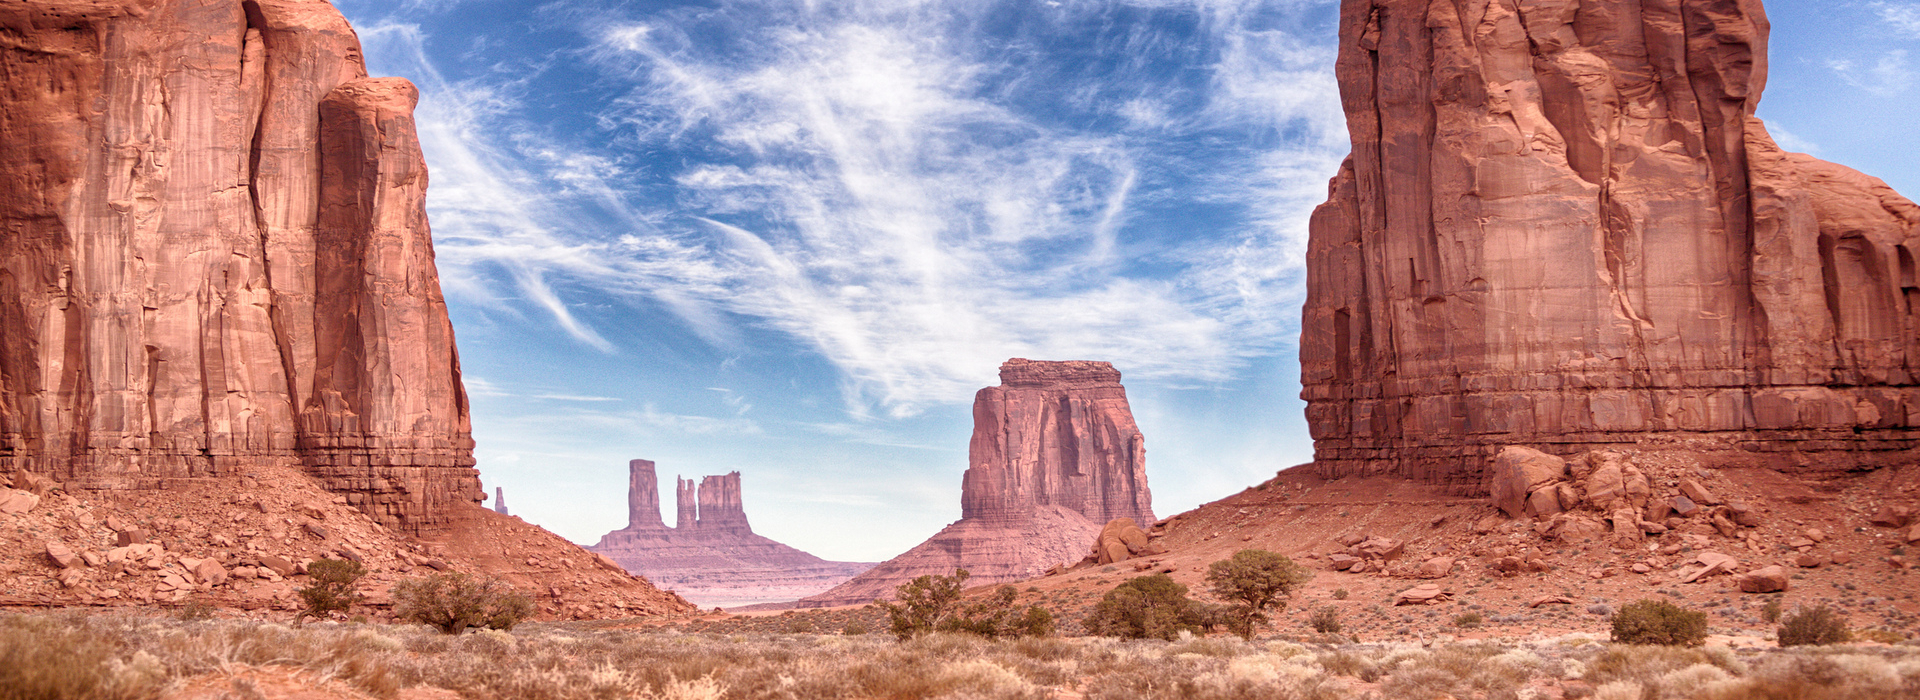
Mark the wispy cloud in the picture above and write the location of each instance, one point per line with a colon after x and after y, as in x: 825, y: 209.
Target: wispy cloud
x: 903, y: 192
x: 1899, y: 16
x: 1887, y: 75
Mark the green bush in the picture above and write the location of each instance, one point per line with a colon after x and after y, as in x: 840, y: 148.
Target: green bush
x: 1467, y: 620
x: 924, y: 604
x: 1771, y: 613
x: 1814, y: 626
x: 1648, y: 621
x: 1326, y: 620
x: 453, y: 601
x: 1340, y: 594
x: 1254, y: 581
x: 1149, y: 606
x: 330, y: 588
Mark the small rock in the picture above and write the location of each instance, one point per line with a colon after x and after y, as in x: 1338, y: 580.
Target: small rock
x: 1420, y: 595
x: 209, y: 572
x: 12, y: 501
x: 1842, y: 558
x: 1350, y: 540
x: 277, y: 564
x: 1913, y: 535
x: 1697, y: 492
x: 1342, y: 561
x: 1809, y: 560
x: 130, y: 536
x: 62, y: 555
x: 1815, y: 534
x: 1437, y: 567
x: 1641, y: 568
x: 1768, y: 580
x: 1550, y: 600
x: 1892, y: 516
x: 1799, y: 543
x: 93, y: 559
x: 315, y: 529
x: 310, y: 510
x: 1683, y: 506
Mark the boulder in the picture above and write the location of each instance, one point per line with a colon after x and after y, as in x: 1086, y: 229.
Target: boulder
x: 1711, y: 563
x: 1842, y: 557
x: 1376, y: 547
x: 1437, y: 567
x: 62, y: 555
x: 1743, y: 515
x: 15, y: 501
x: 1550, y: 600
x: 278, y: 564
x: 1515, y: 472
x: 1544, y: 501
x: 1342, y: 561
x: 1771, y: 579
x: 1893, y: 516
x: 209, y: 572
x: 1658, y: 510
x: 1697, y: 492
x: 1684, y: 507
x: 1423, y: 594
x: 1913, y: 534
x: 1626, y: 526
x: 1809, y: 560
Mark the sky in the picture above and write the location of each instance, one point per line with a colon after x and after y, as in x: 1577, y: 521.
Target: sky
x: 791, y: 238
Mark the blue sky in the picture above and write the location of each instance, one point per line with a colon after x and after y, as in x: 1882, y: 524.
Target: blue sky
x: 793, y: 238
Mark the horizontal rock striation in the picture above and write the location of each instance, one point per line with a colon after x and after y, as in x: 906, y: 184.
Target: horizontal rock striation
x: 1561, y: 225
x: 713, y: 557
x: 214, y: 255
x: 1055, y: 455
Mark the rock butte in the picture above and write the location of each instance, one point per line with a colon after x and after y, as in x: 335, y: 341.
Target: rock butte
x: 1562, y: 226
x: 1055, y: 455
x: 215, y: 257
x: 713, y: 557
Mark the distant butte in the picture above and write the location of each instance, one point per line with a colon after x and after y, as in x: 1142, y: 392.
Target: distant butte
x: 1563, y: 226
x: 713, y: 557
x: 1055, y: 455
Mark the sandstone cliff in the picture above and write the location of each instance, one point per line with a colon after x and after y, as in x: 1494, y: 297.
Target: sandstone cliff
x: 713, y: 557
x: 1055, y: 455
x: 1561, y: 225
x: 214, y: 257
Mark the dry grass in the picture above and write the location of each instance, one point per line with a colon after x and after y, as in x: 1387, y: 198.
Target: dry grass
x: 117, y: 656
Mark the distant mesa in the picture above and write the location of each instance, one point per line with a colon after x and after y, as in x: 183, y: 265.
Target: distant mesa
x: 1055, y: 456
x: 712, y: 557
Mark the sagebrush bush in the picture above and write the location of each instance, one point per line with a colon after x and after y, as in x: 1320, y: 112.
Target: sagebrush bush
x: 1325, y: 620
x: 332, y: 587
x: 452, y: 602
x: 1147, y: 607
x: 1254, y: 581
x: 1469, y: 620
x: 1812, y: 626
x: 923, y: 603
x: 1649, y: 621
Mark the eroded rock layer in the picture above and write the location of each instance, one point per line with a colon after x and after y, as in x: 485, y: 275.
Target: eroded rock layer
x: 713, y: 558
x: 1562, y: 225
x: 1055, y: 455
x: 214, y: 255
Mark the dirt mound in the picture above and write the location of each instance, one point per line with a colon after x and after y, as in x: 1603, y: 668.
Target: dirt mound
x: 242, y: 542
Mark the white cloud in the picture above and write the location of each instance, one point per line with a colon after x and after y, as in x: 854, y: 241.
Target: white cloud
x: 1888, y: 75
x: 865, y: 186
x: 1901, y: 17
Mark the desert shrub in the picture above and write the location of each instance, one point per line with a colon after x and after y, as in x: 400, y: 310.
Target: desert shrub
x: 1882, y: 636
x: 1771, y: 612
x: 454, y: 601
x: 1648, y: 621
x: 331, y: 587
x: 1149, y: 606
x: 194, y: 610
x: 854, y: 627
x: 1340, y: 594
x: 1254, y: 581
x: 924, y: 603
x: 1325, y: 620
x: 43, y: 658
x: 1817, y: 625
x: 1472, y: 619
x: 1036, y: 622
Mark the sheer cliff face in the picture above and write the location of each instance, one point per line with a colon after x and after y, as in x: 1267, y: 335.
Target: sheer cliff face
x: 1055, y: 434
x: 215, y: 254
x: 1561, y: 224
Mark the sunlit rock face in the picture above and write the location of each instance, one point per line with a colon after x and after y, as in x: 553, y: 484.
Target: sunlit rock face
x: 215, y: 254
x: 1055, y: 455
x: 713, y: 558
x: 1561, y: 225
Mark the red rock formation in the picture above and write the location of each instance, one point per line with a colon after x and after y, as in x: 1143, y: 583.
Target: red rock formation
x: 1561, y: 225
x: 720, y: 508
x: 1055, y: 455
x: 500, y: 500
x: 643, y: 497
x: 713, y: 558
x: 215, y: 256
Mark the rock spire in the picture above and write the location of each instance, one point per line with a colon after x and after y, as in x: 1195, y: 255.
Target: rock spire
x: 1055, y: 455
x: 712, y: 557
x: 1562, y: 225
